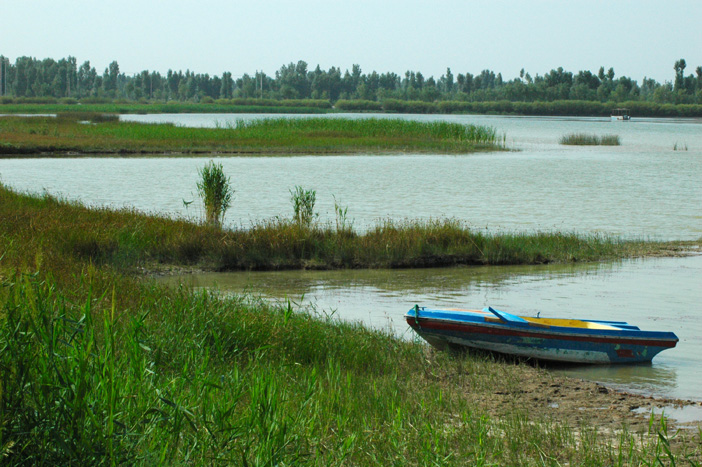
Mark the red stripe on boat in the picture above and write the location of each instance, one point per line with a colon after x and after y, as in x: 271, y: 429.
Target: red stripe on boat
x: 501, y: 331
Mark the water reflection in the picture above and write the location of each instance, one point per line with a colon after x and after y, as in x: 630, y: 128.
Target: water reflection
x: 632, y: 378
x: 382, y: 296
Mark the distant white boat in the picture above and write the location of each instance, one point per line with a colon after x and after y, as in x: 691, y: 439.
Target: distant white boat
x: 620, y: 115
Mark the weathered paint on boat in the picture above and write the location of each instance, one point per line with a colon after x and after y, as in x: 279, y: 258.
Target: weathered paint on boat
x: 554, y: 339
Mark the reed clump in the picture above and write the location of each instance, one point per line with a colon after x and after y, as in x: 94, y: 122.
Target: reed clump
x: 216, y: 191
x: 303, y: 202
x: 583, y: 139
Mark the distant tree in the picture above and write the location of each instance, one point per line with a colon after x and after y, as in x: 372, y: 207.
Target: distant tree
x: 664, y: 94
x: 356, y: 74
x: 86, y: 79
x: 293, y: 81
x: 610, y: 74
x: 109, y: 79
x: 226, y: 90
x: 446, y: 82
x: 679, y: 68
x: 587, y: 79
x: 601, y: 74
x: 246, y: 86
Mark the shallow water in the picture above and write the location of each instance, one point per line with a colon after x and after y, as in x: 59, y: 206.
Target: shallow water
x: 655, y: 294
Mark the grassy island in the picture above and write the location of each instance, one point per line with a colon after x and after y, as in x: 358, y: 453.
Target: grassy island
x: 84, y: 133
x: 99, y: 365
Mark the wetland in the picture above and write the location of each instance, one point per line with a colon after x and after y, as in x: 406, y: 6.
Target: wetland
x: 347, y: 340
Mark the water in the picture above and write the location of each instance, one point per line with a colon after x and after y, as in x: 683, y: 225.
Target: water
x: 643, y: 188
x: 640, y: 189
x: 662, y: 294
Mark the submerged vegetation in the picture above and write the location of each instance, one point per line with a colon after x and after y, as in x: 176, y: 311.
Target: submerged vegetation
x: 582, y: 139
x: 96, y: 134
x: 99, y: 366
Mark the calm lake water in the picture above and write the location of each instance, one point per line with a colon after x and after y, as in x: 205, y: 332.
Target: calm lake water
x: 643, y: 188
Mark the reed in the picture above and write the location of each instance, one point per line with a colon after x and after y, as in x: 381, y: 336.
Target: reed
x: 582, y: 139
x: 303, y: 202
x: 216, y: 192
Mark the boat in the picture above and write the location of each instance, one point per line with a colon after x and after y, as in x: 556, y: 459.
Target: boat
x: 620, y: 115
x: 549, y: 339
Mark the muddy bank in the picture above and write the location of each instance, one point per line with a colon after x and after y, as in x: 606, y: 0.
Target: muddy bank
x: 541, y: 395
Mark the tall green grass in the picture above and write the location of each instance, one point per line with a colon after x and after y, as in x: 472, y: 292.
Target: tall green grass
x: 215, y: 189
x: 303, y: 202
x: 197, y: 379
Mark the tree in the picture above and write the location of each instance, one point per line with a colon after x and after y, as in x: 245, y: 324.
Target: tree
x: 679, y: 68
x: 446, y: 82
x: 610, y: 74
x: 86, y: 79
x: 601, y: 74
x: 293, y: 81
x: 226, y: 91
x: 109, y: 79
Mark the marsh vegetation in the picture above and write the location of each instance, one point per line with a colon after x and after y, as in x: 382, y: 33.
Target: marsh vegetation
x: 215, y: 189
x: 69, y: 133
x: 583, y: 139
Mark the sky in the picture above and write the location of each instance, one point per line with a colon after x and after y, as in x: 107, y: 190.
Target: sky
x: 638, y: 39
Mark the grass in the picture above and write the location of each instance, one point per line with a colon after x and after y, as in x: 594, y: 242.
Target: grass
x: 69, y: 134
x: 199, y: 379
x: 125, y: 239
x: 582, y: 139
x: 100, y: 367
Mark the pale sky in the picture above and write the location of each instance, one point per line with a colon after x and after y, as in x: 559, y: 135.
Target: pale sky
x: 638, y: 39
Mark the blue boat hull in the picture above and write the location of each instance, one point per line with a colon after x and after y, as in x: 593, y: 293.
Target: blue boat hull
x: 609, y: 342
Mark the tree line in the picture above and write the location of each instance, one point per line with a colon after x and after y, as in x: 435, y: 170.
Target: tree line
x: 65, y: 79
